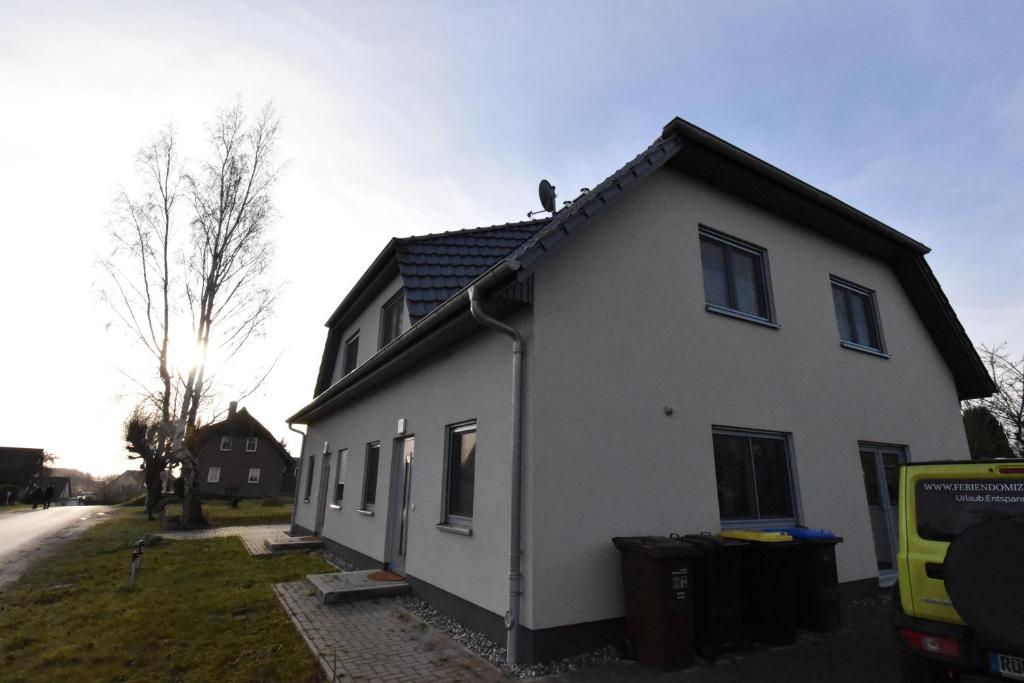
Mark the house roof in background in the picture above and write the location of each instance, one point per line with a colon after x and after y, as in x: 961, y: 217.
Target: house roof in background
x: 58, y: 483
x: 17, y: 465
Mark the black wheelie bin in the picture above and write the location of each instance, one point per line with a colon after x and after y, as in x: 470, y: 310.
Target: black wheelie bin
x: 817, y: 583
x: 718, y: 595
x: 769, y: 589
x: 657, y: 580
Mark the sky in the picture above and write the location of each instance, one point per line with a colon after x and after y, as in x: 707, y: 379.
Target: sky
x: 404, y: 118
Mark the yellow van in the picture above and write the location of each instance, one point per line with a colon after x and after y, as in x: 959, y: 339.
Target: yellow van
x: 961, y: 570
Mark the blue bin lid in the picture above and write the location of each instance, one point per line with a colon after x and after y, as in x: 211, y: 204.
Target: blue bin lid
x: 805, y: 533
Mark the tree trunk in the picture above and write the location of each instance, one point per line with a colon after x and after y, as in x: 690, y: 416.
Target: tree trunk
x: 154, y: 488
x: 192, y: 503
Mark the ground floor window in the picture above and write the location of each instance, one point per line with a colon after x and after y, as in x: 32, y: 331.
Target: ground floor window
x: 213, y: 475
x: 460, y: 466
x: 254, y: 475
x: 755, y: 477
x: 309, y: 476
x: 339, y: 484
x: 370, y: 475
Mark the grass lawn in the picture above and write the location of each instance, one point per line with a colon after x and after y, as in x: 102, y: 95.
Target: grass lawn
x: 200, y: 611
x: 220, y: 513
x: 15, y: 507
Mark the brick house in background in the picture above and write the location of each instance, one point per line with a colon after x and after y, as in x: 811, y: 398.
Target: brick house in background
x: 239, y: 456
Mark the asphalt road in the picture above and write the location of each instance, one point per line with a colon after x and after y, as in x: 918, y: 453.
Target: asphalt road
x: 28, y: 535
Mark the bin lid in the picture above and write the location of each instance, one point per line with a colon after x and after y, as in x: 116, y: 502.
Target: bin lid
x: 757, y: 536
x: 656, y: 546
x: 803, y: 533
x: 713, y: 541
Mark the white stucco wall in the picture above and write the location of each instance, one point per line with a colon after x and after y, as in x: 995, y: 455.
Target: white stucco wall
x: 470, y: 381
x: 368, y: 326
x: 620, y: 331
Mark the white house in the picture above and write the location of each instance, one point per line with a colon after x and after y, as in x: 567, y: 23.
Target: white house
x: 707, y: 342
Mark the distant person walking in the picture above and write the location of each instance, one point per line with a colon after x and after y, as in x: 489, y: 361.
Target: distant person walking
x: 35, y: 496
x: 47, y: 497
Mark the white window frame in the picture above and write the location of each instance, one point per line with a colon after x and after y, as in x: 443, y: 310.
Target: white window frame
x: 794, y: 490
x: 255, y: 444
x: 225, y: 444
x: 257, y: 471
x: 210, y: 478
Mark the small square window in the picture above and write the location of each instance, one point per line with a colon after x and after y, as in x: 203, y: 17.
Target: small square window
x: 754, y: 477
x: 460, y: 466
x: 857, y: 316
x: 225, y: 443
x: 370, y: 476
x: 339, y: 482
x: 251, y: 443
x: 735, y: 276
x: 254, y: 475
x: 391, y: 315
x: 213, y: 475
x: 351, y: 356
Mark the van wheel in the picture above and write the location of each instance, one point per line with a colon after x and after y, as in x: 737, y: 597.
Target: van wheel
x: 914, y: 670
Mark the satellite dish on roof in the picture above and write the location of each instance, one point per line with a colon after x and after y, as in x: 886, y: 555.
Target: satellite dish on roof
x: 547, y: 196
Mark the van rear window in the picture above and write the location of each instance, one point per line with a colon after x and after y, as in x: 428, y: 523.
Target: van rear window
x: 946, y: 507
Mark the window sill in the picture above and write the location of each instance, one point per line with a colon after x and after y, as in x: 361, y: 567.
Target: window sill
x: 335, y: 507
x: 366, y: 513
x: 460, y: 530
x: 863, y: 349
x: 729, y: 313
x: 305, y: 500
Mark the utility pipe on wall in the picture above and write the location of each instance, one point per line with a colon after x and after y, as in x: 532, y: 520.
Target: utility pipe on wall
x: 298, y: 471
x: 514, y: 575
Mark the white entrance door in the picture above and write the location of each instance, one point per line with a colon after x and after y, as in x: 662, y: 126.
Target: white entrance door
x: 399, y: 503
x: 881, y: 468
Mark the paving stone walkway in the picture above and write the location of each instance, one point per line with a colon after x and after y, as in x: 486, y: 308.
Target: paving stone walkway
x: 377, y: 640
x: 252, y: 537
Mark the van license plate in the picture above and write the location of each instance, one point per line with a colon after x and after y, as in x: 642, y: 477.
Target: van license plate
x: 1007, y: 665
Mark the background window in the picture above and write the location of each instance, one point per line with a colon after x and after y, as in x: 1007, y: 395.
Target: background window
x: 225, y: 443
x: 254, y: 475
x: 309, y: 476
x: 213, y: 475
x: 339, y: 483
x: 250, y: 444
x: 856, y: 315
x: 351, y: 355
x: 734, y: 275
x: 460, y: 465
x: 754, y: 479
x: 370, y: 476
x: 391, y: 319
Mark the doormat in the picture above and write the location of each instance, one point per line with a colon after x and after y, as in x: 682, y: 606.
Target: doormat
x: 384, y: 575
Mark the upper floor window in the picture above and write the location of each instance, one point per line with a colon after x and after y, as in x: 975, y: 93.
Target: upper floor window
x: 351, y: 355
x: 857, y: 316
x: 460, y: 464
x: 735, y: 276
x: 225, y: 443
x: 754, y: 476
x: 391, y: 315
x: 250, y: 444
x: 370, y: 476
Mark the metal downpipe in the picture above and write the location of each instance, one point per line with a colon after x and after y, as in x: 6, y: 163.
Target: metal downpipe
x: 298, y: 471
x: 515, y: 540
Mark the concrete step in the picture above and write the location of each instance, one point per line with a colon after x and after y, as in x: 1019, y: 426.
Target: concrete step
x: 347, y: 586
x: 282, y: 543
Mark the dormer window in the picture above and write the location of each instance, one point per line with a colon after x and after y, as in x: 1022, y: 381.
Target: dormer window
x: 391, y: 319
x: 351, y: 356
x: 225, y: 443
x: 250, y: 444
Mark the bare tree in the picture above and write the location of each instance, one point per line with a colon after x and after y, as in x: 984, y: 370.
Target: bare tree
x: 140, y: 280
x: 1007, y: 403
x: 145, y: 436
x: 227, y: 263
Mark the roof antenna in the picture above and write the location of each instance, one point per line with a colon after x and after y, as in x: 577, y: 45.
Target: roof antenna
x: 547, y: 199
